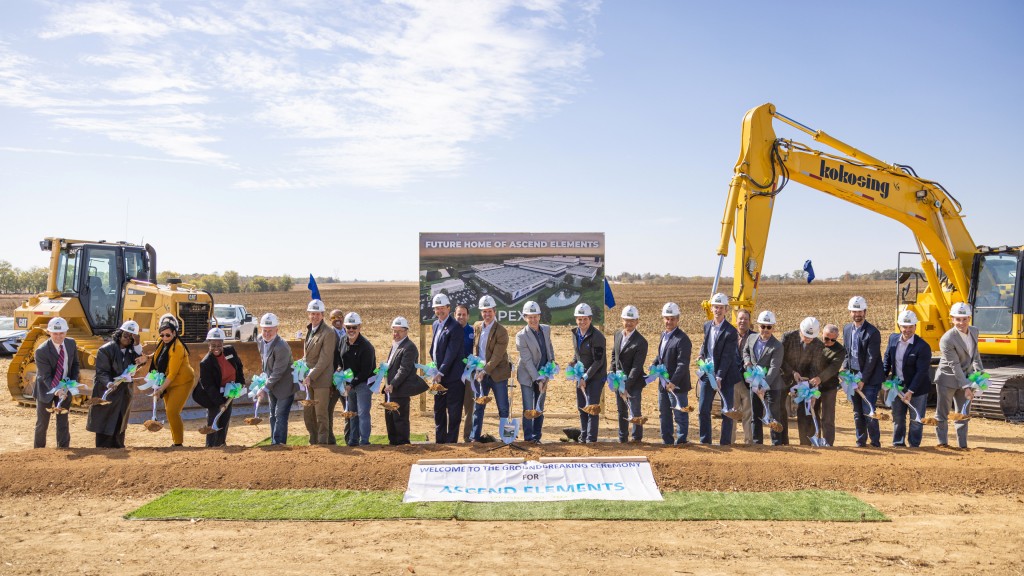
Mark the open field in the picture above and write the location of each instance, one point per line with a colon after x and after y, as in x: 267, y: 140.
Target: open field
x: 952, y: 510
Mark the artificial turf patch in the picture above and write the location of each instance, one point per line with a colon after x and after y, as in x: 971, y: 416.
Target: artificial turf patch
x: 339, y: 505
x: 378, y: 439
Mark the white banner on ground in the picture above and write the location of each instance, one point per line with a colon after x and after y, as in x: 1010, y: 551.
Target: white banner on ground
x: 550, y: 479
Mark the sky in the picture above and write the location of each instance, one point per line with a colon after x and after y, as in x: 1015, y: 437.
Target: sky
x: 306, y: 136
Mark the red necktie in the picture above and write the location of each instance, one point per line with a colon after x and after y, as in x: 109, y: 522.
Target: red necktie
x: 59, y: 373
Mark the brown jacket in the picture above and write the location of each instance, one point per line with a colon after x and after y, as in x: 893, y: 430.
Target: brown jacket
x: 498, y: 366
x: 319, y: 355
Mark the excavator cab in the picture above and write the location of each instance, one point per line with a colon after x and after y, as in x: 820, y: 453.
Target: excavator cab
x: 96, y: 275
x: 996, y: 292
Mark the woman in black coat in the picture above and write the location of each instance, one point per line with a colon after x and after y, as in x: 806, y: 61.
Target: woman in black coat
x: 221, y: 366
x: 109, y: 421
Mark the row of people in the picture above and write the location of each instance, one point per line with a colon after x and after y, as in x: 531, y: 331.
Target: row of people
x: 726, y: 353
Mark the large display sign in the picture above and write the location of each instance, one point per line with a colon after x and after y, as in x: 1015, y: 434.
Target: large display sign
x: 551, y: 479
x: 556, y: 270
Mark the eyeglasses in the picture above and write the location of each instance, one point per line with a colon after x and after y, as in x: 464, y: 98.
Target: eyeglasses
x: 827, y: 339
x: 351, y: 328
x: 166, y: 335
x: 766, y: 327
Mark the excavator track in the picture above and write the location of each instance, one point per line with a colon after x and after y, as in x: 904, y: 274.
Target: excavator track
x: 1004, y: 399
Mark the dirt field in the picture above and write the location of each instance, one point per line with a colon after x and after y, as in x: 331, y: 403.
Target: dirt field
x: 952, y: 511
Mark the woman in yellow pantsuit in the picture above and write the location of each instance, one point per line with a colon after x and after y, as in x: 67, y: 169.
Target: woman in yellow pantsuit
x: 171, y: 359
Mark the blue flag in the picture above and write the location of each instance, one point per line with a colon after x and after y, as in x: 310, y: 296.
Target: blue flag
x: 609, y: 298
x: 315, y: 292
x: 810, y: 271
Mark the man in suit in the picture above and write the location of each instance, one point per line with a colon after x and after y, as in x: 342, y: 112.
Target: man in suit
x: 56, y: 360
x: 403, y: 382
x: 802, y: 361
x: 358, y: 355
x: 319, y: 349
x: 535, y: 350
x: 720, y: 347
x: 446, y: 350
x: 629, y: 352
x: 741, y: 391
x: 863, y: 348
x: 907, y: 358
x: 833, y: 353
x: 589, y: 348
x: 492, y: 347
x: 959, y: 359
x: 674, y: 352
x: 469, y: 336
x: 337, y: 319
x: 766, y: 351
x: 276, y: 359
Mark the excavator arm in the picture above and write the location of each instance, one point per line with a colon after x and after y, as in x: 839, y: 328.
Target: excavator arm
x: 766, y: 164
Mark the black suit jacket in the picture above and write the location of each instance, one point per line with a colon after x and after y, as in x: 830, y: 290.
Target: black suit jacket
x: 916, y: 360
x: 868, y: 347
x: 46, y: 365
x: 676, y: 358
x: 402, y: 376
x: 110, y: 363
x: 724, y: 354
x: 630, y: 359
x: 448, y: 353
x: 591, y: 353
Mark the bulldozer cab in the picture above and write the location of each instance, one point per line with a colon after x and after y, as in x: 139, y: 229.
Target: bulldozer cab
x: 96, y: 275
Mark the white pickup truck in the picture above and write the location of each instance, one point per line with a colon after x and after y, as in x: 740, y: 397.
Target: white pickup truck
x: 237, y: 323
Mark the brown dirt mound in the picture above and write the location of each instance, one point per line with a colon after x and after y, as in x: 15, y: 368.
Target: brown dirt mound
x: 149, y: 471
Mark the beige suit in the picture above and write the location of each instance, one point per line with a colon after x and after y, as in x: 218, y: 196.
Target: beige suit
x: 955, y: 364
x: 319, y: 356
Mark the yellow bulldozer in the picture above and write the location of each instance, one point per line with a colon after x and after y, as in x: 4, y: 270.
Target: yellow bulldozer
x: 96, y: 286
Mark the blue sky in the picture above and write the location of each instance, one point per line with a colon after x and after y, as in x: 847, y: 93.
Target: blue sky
x: 306, y: 136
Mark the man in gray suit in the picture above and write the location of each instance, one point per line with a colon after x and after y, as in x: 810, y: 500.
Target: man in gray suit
x: 629, y: 352
x: 959, y: 358
x: 56, y: 360
x: 535, y: 350
x: 277, y: 365
x: 766, y: 351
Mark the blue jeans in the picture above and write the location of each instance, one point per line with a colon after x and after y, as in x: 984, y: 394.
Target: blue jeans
x: 707, y: 397
x: 280, y: 408
x: 359, y: 397
x: 900, y: 437
x: 867, y: 428
x: 500, y: 398
x: 666, y: 406
x: 532, y: 428
x: 588, y: 422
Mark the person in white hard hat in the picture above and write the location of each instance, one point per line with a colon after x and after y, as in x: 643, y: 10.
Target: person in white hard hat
x: 589, y: 346
x: 446, y: 350
x: 741, y: 392
x: 318, y: 352
x: 469, y: 335
x: 834, y: 354
x: 720, y: 346
x: 535, y: 350
x: 110, y: 421
x: 221, y: 366
x: 491, y: 347
x: 402, y: 383
x: 863, y: 355
x: 56, y: 360
x: 674, y: 352
x: 802, y: 361
x: 629, y: 353
x: 358, y: 355
x: 276, y: 362
x: 765, y: 350
x: 337, y: 318
x: 959, y: 358
x: 171, y: 358
x: 908, y: 358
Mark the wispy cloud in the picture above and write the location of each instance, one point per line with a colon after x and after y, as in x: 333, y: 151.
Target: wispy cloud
x: 360, y: 93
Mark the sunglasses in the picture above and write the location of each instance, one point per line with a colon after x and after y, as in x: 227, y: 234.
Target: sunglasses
x: 167, y: 335
x: 352, y: 328
x: 766, y: 327
x: 827, y: 339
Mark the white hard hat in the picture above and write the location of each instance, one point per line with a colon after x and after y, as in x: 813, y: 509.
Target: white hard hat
x: 400, y: 322
x: 316, y: 306
x: 766, y: 317
x: 353, y: 319
x: 960, y: 310
x: 583, y: 309
x: 57, y: 324
x: 169, y: 318
x: 486, y: 302
x: 269, y: 320
x: 131, y: 327
x: 215, y: 334
x: 531, y: 307
x: 670, y: 309
x: 440, y: 299
x: 907, y: 318
x: 809, y: 327
x: 857, y: 304
x: 630, y: 313
x: 720, y: 299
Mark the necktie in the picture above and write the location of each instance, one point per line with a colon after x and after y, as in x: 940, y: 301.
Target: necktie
x: 58, y: 374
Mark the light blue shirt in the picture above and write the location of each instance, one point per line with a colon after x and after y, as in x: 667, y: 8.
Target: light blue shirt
x: 484, y: 332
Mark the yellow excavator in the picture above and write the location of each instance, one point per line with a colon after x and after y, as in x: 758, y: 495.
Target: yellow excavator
x: 96, y: 286
x: 954, y: 269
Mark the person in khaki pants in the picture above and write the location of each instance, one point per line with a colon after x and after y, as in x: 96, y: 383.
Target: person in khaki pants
x: 741, y: 393
x: 321, y: 340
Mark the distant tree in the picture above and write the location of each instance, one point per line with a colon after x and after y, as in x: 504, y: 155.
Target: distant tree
x: 8, y: 278
x: 212, y: 283
x: 231, y: 281
x: 285, y: 283
x: 33, y: 280
x: 162, y: 277
x: 258, y: 284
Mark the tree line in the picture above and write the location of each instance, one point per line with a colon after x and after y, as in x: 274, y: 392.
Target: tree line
x: 795, y: 276
x: 231, y: 281
x: 17, y: 281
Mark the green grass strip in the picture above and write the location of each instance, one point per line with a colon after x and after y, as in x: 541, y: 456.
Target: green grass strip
x: 339, y: 505
x: 378, y: 439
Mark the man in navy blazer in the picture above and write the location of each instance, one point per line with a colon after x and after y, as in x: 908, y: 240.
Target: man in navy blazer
x: 674, y: 350
x: 56, y: 360
x: 863, y: 347
x: 446, y: 352
x: 907, y: 357
x: 719, y: 345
